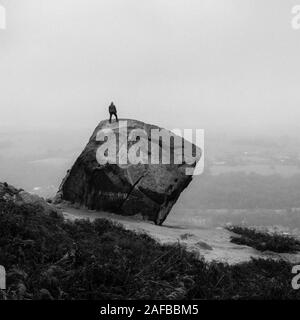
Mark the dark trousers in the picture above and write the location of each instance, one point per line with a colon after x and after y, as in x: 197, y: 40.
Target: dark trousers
x: 111, y: 114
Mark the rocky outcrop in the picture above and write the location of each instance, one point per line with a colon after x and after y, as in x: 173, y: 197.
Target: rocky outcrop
x: 126, y: 188
x: 20, y: 197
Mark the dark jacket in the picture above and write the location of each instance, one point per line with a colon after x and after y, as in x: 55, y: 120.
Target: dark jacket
x: 112, y: 109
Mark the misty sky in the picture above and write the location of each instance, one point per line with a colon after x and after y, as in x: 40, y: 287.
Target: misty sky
x: 174, y: 63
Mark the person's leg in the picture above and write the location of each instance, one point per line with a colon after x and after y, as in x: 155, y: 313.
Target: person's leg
x: 110, y: 116
x: 116, y: 117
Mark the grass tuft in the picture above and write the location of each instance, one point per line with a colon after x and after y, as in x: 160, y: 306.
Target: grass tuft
x: 264, y: 241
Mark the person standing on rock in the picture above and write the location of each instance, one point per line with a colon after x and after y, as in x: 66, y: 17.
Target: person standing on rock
x: 112, y: 112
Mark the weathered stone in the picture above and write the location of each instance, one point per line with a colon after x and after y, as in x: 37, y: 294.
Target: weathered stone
x: 129, y: 189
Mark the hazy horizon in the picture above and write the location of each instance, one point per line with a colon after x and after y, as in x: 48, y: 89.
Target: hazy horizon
x: 226, y: 65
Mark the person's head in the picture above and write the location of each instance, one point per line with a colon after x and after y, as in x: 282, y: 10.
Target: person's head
x: 112, y: 104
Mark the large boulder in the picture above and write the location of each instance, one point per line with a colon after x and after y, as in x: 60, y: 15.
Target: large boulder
x: 125, y: 188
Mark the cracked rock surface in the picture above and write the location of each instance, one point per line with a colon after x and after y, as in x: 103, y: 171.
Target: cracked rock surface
x: 130, y: 189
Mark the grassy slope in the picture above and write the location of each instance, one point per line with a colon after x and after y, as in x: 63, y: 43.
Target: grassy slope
x: 263, y: 241
x: 47, y: 258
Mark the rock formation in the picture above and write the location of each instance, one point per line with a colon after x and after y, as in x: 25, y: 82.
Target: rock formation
x: 20, y: 197
x: 126, y: 188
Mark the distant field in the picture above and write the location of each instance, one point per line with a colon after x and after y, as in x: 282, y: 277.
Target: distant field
x: 272, y: 220
x: 282, y: 170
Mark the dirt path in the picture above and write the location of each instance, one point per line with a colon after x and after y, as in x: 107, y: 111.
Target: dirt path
x: 211, y: 243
